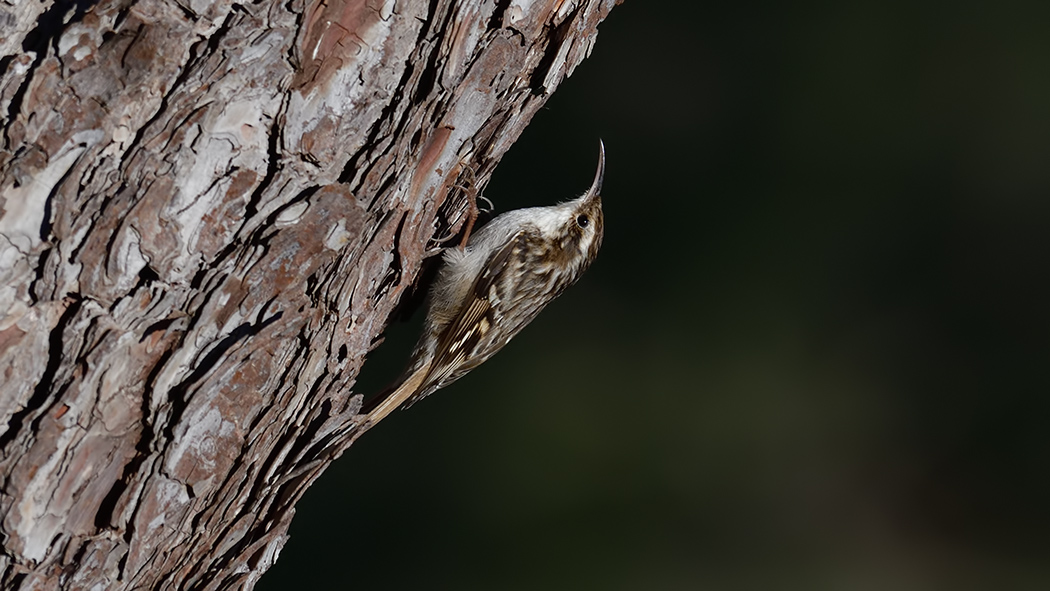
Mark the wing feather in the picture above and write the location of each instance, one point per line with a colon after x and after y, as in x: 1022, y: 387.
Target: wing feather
x: 473, y: 321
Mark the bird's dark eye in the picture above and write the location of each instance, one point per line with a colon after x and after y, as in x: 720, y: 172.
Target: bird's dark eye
x: 583, y: 221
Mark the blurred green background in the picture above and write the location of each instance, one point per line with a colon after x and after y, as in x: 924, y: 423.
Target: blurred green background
x: 813, y: 353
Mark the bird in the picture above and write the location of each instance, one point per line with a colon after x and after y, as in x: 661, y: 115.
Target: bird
x: 491, y: 287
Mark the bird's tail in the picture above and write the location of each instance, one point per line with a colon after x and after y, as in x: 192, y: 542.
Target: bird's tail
x: 378, y: 408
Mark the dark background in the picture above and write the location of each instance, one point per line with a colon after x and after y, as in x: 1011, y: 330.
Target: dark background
x: 813, y: 353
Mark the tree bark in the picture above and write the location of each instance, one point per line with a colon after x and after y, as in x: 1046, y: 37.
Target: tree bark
x: 208, y: 211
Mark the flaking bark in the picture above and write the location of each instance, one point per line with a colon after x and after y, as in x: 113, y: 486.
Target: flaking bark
x: 208, y: 210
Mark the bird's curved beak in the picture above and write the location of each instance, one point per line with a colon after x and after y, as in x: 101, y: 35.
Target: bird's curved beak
x: 599, y: 175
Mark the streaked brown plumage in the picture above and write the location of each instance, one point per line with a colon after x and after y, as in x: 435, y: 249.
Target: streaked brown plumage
x: 488, y: 291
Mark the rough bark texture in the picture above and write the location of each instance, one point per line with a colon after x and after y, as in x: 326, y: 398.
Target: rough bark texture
x: 208, y: 210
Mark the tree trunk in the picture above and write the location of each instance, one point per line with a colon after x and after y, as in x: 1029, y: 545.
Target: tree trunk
x: 208, y: 211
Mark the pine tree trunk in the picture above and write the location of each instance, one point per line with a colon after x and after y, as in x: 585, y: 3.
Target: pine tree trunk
x: 208, y: 211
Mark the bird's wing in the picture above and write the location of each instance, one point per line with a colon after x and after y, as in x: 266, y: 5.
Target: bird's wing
x: 474, y: 320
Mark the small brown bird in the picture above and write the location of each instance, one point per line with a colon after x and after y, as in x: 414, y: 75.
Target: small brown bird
x: 486, y: 292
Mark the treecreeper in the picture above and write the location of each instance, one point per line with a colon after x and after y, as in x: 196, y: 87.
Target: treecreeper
x: 488, y: 289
